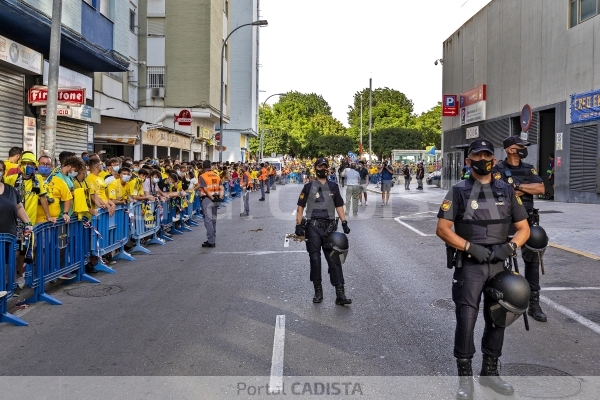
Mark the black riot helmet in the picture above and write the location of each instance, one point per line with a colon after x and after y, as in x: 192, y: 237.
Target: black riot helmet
x: 338, y: 243
x: 538, y: 240
x: 510, y: 292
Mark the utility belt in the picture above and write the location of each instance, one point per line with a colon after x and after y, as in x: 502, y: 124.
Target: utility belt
x: 328, y: 225
x: 455, y: 257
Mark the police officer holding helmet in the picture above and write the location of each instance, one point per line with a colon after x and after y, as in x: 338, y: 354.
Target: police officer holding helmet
x: 322, y: 200
x: 481, y: 209
x: 525, y: 180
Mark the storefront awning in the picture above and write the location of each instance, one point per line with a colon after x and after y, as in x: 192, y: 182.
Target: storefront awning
x: 116, y: 138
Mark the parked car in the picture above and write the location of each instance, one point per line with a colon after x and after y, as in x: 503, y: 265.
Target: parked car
x: 434, y: 178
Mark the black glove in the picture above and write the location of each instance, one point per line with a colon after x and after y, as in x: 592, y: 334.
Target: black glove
x: 479, y: 253
x: 299, y: 230
x: 500, y: 252
x: 216, y: 198
x: 345, y: 227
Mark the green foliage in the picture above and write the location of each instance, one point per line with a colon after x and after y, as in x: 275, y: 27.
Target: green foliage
x: 430, y: 123
x: 387, y: 139
x: 328, y: 144
x: 296, y: 124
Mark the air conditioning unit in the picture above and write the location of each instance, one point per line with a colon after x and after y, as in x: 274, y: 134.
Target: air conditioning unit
x: 157, y: 93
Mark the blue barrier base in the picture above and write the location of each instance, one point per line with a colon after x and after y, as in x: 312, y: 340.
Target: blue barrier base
x: 104, y: 268
x: 48, y: 299
x: 11, y: 319
x: 87, y: 278
x: 123, y: 255
x: 163, y: 237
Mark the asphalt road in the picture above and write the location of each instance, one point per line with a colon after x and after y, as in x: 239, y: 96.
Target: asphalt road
x: 188, y: 311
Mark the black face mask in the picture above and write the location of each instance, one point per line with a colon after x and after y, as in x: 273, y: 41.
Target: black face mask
x: 321, y: 173
x: 482, y: 167
x: 522, y: 153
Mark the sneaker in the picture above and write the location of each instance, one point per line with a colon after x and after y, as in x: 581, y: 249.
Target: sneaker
x: 20, y: 281
x: 206, y: 244
x: 360, y: 203
x: 67, y: 276
x: 366, y: 203
x: 3, y: 293
x: 261, y: 199
x: 106, y: 261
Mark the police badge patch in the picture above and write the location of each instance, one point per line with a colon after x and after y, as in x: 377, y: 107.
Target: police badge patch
x: 446, y: 205
x: 302, y: 196
x: 534, y: 171
x: 497, y: 176
x: 474, y: 204
x: 519, y: 200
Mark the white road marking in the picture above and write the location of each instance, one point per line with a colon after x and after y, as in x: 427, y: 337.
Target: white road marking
x: 417, y: 215
x: 570, y: 288
x: 572, y: 314
x: 257, y: 253
x: 276, y: 380
x: 411, y: 228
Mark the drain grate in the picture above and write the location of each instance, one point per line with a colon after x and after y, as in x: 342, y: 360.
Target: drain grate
x: 446, y: 304
x: 540, y: 382
x: 89, y: 291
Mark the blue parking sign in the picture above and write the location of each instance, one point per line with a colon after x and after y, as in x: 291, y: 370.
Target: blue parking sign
x: 450, y: 101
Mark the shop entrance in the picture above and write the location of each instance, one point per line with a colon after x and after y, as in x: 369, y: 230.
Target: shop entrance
x: 546, y: 141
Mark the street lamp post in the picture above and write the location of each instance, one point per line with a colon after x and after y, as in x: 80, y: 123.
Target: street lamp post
x: 261, y: 142
x: 255, y: 23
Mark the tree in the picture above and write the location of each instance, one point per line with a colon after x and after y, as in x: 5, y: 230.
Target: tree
x: 387, y: 139
x: 327, y: 145
x: 430, y: 123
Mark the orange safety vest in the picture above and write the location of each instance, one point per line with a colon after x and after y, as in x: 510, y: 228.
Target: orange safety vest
x: 246, y: 180
x: 263, y: 174
x: 213, y: 184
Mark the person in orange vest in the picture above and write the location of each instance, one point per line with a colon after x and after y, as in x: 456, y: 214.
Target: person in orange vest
x: 263, y: 177
x: 246, y: 185
x: 272, y: 176
x: 211, y: 194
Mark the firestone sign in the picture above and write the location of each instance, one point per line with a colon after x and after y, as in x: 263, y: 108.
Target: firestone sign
x: 38, y: 96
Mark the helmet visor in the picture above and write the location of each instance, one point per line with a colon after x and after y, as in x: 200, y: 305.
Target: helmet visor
x: 501, y: 316
x: 338, y: 257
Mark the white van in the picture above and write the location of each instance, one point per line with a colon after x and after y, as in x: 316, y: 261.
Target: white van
x: 276, y: 162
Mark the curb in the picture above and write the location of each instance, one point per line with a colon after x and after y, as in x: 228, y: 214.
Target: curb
x: 579, y: 252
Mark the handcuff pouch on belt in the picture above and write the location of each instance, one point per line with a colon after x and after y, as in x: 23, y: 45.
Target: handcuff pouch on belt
x: 328, y: 226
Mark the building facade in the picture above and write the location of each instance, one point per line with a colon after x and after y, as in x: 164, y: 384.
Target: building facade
x: 541, y: 53
x: 243, y: 81
x: 92, y: 40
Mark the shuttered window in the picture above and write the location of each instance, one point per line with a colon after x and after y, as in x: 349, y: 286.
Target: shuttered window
x: 11, y: 110
x: 71, y: 135
x: 156, y: 26
x: 583, y: 152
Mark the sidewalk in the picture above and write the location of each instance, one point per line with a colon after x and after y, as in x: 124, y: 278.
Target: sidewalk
x: 570, y: 226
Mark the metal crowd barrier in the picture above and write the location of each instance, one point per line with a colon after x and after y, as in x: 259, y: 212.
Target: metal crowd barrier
x: 190, y: 210
x: 8, y: 257
x: 110, y: 234
x: 145, y: 224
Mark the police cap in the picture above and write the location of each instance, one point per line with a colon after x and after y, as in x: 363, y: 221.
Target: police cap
x: 514, y: 140
x: 480, y: 145
x: 321, y: 161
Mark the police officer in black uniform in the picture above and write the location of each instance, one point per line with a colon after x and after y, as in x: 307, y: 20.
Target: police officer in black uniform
x: 322, y: 199
x: 481, y: 209
x: 525, y: 180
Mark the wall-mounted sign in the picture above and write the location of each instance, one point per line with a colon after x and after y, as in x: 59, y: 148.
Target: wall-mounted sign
x: 61, y: 112
x: 473, y: 132
x: 472, y: 105
x: 20, y: 56
x: 38, y: 96
x: 526, y: 117
x: 559, y: 141
x: 29, y: 134
x: 450, y: 105
x: 184, y: 118
x: 585, y: 107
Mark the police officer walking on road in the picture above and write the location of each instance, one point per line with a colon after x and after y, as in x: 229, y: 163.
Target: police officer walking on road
x: 322, y: 200
x: 211, y: 193
x: 525, y: 180
x: 481, y: 209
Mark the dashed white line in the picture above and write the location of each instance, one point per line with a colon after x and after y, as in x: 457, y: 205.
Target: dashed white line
x: 570, y: 288
x: 276, y: 380
x: 258, y: 253
x: 572, y: 314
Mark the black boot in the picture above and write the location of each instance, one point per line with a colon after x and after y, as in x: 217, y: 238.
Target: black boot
x: 534, y: 308
x: 465, y: 379
x: 318, y: 292
x: 341, y: 298
x: 489, y: 377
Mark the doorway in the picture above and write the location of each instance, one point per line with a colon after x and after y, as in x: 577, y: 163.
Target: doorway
x: 546, y: 140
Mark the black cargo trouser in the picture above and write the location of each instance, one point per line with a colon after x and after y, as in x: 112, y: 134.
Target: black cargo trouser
x: 468, y: 285
x: 314, y: 243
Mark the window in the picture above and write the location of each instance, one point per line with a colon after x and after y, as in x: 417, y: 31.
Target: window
x: 156, y: 26
x: 582, y: 10
x: 225, y: 6
x: 90, y: 2
x: 104, y: 7
x: 156, y: 77
x: 132, y: 20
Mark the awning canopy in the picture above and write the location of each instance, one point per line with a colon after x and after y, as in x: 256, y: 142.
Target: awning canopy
x: 121, y: 138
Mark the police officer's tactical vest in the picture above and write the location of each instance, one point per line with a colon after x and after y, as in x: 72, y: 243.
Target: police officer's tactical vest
x: 320, y: 202
x: 522, y: 174
x: 487, y: 215
x: 213, y: 184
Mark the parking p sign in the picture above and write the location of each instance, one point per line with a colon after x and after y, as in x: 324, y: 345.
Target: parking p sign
x: 450, y: 103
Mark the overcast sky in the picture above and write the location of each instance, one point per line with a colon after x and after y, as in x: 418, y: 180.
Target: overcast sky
x: 333, y: 47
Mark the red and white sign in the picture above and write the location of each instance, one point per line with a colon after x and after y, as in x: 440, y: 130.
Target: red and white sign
x: 184, y: 118
x: 472, y: 105
x: 61, y: 112
x: 38, y: 96
x: 450, y: 107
